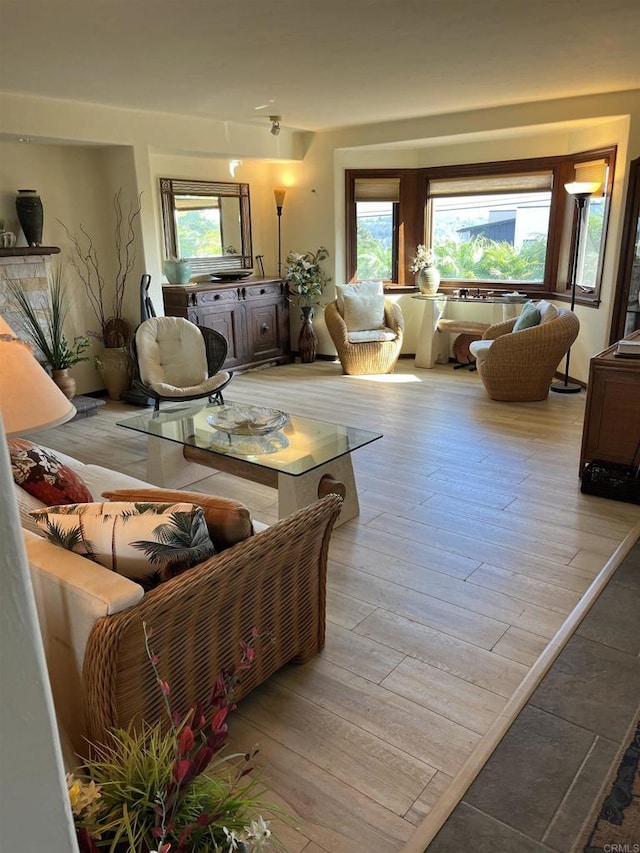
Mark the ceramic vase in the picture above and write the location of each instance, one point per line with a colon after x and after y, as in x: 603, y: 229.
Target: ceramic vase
x: 65, y: 382
x: 428, y: 281
x: 307, y: 341
x: 177, y: 272
x: 116, y: 370
x: 30, y: 216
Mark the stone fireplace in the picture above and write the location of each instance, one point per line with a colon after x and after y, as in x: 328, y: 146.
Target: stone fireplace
x: 30, y: 269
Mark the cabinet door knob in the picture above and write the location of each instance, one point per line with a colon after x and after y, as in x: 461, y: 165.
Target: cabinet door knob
x: 264, y: 328
x: 262, y: 291
x: 216, y: 296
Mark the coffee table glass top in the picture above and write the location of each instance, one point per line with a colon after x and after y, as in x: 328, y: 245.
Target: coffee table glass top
x: 298, y: 446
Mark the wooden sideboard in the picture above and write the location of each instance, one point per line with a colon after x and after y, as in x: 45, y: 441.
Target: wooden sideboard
x: 612, y: 414
x: 252, y: 314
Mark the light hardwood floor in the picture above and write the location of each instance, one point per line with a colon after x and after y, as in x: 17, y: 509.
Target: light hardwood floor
x: 472, y: 546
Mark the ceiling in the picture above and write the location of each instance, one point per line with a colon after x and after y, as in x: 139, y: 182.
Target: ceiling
x: 319, y: 64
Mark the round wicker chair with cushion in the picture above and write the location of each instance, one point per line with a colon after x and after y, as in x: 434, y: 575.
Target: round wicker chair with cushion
x: 367, y: 351
x: 177, y: 360
x: 519, y: 366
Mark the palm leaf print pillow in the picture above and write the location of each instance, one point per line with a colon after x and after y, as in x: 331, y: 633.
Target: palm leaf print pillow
x: 146, y: 542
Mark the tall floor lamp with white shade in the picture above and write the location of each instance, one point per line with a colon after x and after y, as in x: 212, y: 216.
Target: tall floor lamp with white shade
x: 581, y: 191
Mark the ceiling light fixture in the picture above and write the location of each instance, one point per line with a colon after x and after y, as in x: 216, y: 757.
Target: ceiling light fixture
x: 275, y: 124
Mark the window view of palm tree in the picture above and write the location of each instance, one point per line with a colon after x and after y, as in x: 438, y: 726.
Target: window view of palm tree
x: 374, y: 221
x: 499, y: 237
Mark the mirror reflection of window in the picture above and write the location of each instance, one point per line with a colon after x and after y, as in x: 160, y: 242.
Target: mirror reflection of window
x: 198, y: 226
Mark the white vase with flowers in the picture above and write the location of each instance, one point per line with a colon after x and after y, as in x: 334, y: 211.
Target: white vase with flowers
x: 427, y: 274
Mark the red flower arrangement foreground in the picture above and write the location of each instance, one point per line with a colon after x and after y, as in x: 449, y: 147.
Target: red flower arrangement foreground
x: 173, y: 789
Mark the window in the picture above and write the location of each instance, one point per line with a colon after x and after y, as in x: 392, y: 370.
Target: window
x: 509, y: 223
x: 376, y: 224
x: 491, y: 229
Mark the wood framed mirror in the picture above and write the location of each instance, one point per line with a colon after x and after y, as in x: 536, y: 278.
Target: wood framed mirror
x: 207, y: 223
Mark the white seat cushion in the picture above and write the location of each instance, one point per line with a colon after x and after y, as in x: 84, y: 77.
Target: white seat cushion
x: 371, y: 336
x: 480, y: 349
x: 206, y: 387
x: 171, y: 350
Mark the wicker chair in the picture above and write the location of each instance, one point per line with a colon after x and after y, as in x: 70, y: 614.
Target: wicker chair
x: 274, y: 581
x: 366, y: 357
x: 175, y: 360
x: 519, y: 366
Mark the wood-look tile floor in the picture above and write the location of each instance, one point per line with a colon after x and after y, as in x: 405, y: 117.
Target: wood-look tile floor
x: 472, y: 546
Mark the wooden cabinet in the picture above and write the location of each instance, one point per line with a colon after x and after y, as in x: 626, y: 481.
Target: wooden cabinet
x: 252, y: 314
x: 612, y: 414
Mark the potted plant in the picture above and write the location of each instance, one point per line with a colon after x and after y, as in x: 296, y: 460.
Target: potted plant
x: 424, y: 265
x: 306, y: 282
x: 45, y: 329
x: 167, y: 787
x: 113, y: 330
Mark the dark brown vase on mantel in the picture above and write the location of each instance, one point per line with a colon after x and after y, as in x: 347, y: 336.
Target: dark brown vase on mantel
x: 307, y: 341
x: 30, y: 216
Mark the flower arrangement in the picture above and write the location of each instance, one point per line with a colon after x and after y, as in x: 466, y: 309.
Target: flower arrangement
x: 113, y: 329
x: 169, y: 789
x: 46, y: 328
x: 305, y: 277
x: 424, y: 258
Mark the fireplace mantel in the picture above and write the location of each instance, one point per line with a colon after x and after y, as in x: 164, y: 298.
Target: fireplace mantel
x: 23, y: 251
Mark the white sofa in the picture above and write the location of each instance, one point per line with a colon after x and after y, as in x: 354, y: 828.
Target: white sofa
x: 70, y: 600
x: 80, y: 606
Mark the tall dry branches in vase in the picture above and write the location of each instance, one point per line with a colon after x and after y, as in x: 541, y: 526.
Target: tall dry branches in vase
x: 113, y: 329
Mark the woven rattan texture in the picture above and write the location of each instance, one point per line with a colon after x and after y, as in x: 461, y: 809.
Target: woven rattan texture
x: 520, y: 366
x: 274, y: 581
x: 370, y: 357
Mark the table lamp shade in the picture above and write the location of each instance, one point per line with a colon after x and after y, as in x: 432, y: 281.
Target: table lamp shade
x: 29, y: 399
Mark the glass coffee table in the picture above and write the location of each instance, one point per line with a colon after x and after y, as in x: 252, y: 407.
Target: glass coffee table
x: 302, y: 458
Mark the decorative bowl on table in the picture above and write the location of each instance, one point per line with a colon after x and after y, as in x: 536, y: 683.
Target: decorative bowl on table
x: 246, y: 420
x: 231, y: 275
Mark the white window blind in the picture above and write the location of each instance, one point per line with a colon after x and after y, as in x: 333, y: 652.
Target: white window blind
x: 377, y: 189
x: 491, y: 184
x: 595, y: 171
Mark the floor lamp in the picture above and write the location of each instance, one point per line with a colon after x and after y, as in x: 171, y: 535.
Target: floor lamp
x: 580, y: 192
x: 279, y: 194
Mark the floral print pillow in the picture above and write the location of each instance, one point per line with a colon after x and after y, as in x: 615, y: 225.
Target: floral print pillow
x: 40, y: 473
x: 146, y: 542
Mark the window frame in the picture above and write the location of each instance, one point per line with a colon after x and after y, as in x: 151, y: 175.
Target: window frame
x: 414, y: 219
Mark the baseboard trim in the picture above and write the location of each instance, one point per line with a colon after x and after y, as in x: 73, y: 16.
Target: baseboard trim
x: 430, y: 826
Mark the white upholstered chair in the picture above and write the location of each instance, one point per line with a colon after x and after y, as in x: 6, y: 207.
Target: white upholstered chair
x: 178, y: 360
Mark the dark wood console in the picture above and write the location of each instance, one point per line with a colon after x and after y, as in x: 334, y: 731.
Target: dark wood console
x: 612, y: 413
x: 252, y: 314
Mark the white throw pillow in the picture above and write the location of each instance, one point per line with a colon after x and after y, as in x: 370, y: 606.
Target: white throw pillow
x: 548, y: 311
x: 363, y: 288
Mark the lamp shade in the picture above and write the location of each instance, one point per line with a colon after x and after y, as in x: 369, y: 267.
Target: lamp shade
x: 279, y: 194
x: 29, y: 399
x: 582, y: 189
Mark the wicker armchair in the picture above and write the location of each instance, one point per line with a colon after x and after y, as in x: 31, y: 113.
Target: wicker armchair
x: 366, y: 357
x: 519, y: 366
